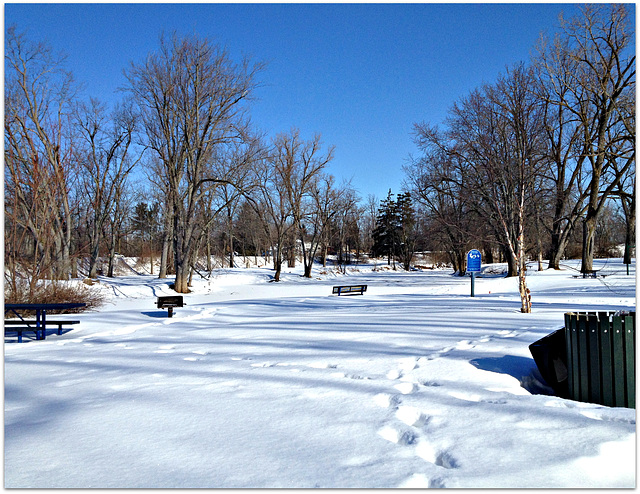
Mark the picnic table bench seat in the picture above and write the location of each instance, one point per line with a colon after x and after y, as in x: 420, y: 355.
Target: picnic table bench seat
x: 22, y: 325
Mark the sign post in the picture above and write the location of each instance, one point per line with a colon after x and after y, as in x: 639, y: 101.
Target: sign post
x: 474, y: 265
x: 627, y: 255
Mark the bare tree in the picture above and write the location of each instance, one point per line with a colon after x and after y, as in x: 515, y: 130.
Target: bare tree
x: 122, y: 202
x: 300, y: 165
x: 345, y: 224
x: 540, y: 155
x: 369, y: 222
x: 284, y: 184
x: 490, y: 156
x: 190, y: 94
x: 106, y: 163
x: 563, y: 131
x: 250, y: 231
x: 437, y: 180
x: 623, y: 176
x: 512, y: 160
x: 270, y: 202
x: 317, y: 220
x: 39, y: 162
x: 236, y: 164
x: 154, y: 172
x: 600, y: 43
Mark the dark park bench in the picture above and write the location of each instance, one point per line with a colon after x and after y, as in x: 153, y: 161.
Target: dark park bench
x: 590, y: 273
x: 350, y: 290
x: 169, y: 302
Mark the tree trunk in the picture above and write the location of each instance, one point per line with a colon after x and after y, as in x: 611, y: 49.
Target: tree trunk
x: 488, y: 253
x: 588, y: 243
x: 182, y: 278
x: 93, y: 259
x: 74, y: 267
x: 278, y: 269
x: 525, y: 294
x: 458, y: 259
x: 112, y: 256
x: 166, y: 244
x: 208, y: 248
x: 184, y: 252
x: 307, y: 256
x: 555, y: 253
x: 629, y: 238
x: 453, y: 260
x: 307, y: 270
x: 512, y: 262
x: 190, y: 282
x: 540, y: 251
x: 150, y: 253
x: 164, y: 256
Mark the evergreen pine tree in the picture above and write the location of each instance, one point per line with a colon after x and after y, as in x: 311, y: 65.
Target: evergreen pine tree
x: 395, y: 233
x: 385, y: 235
x: 406, y: 230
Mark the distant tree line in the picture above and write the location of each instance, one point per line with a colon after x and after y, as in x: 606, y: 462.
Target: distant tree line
x: 532, y: 165
x: 214, y: 185
x: 537, y: 157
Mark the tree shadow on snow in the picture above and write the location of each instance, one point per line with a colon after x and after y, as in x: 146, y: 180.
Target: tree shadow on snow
x: 523, y: 369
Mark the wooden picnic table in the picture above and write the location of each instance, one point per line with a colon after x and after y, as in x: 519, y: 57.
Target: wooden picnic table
x: 41, y: 314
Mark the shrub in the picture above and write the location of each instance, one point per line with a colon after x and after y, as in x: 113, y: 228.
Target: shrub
x: 49, y: 292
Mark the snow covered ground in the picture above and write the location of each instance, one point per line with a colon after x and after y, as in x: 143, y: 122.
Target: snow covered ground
x: 259, y: 384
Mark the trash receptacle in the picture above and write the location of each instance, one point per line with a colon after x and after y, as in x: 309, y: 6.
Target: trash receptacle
x: 600, y: 352
x: 550, y: 355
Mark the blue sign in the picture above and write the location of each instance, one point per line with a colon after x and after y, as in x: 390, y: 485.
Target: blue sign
x: 474, y: 261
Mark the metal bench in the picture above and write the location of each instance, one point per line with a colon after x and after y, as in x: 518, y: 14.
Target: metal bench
x: 22, y: 325
x: 169, y: 302
x: 590, y: 273
x: 350, y: 290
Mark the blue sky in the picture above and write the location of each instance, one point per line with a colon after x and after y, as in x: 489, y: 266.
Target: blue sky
x: 359, y: 74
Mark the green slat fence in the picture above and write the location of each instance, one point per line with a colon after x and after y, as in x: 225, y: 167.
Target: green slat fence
x: 601, y: 357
